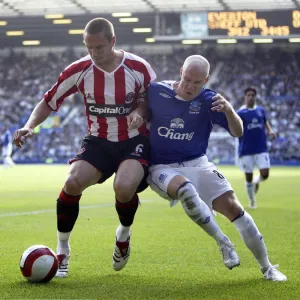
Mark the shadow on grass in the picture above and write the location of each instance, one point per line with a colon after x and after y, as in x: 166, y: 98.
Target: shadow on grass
x: 122, y: 286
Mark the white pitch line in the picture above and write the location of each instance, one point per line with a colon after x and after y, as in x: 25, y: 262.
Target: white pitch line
x: 37, y: 212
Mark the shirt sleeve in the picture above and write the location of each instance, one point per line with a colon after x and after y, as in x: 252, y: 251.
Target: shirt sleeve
x: 265, y: 115
x: 218, y: 118
x: 149, y: 97
x: 65, y: 86
x: 149, y: 76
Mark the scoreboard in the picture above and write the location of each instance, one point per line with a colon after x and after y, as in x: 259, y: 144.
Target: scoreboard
x: 245, y: 23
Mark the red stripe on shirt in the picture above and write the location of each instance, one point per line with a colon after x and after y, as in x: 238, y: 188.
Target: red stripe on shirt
x: 61, y: 99
x: 143, y: 129
x: 99, y: 84
x: 81, y: 88
x: 120, y: 97
x: 139, y: 67
x: 67, y: 73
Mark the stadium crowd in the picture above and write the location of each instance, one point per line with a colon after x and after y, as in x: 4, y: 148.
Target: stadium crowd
x: 275, y: 72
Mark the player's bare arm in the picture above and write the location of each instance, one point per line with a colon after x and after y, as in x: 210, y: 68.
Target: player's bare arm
x: 136, y: 118
x: 235, y: 123
x: 270, y: 131
x: 38, y: 116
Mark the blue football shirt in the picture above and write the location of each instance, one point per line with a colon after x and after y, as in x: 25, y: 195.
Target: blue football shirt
x: 180, y: 129
x: 6, y: 138
x: 254, y: 140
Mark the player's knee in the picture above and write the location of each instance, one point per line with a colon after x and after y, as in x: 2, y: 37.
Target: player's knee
x: 233, y: 210
x: 124, y: 190
x: 186, y: 191
x: 73, y: 185
x: 265, y: 176
x: 228, y: 205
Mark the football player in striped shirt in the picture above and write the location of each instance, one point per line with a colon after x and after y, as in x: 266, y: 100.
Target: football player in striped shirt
x: 112, y: 84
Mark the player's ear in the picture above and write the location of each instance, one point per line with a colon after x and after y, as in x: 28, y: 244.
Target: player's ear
x: 180, y: 72
x: 207, y: 78
x: 113, y: 41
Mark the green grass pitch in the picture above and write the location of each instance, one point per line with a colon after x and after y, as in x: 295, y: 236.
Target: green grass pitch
x: 171, y: 257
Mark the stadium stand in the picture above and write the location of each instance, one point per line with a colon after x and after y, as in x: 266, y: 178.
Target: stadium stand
x: 273, y: 71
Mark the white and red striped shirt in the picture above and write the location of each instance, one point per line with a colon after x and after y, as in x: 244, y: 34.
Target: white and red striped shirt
x: 108, y: 97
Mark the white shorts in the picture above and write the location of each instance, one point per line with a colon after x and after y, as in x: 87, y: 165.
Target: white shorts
x: 7, y: 150
x: 204, y: 175
x: 248, y: 162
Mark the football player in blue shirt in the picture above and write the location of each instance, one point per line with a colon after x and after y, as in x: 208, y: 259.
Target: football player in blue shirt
x: 253, y: 144
x: 182, y: 116
x: 7, y: 147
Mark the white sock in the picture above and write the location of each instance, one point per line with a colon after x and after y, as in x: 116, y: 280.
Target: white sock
x: 122, y: 233
x: 253, y: 239
x: 10, y: 161
x: 5, y: 163
x: 258, y: 179
x: 63, y: 242
x: 199, y: 212
x: 250, y: 192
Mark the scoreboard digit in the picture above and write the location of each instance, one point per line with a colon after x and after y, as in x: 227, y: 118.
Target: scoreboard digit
x: 248, y: 23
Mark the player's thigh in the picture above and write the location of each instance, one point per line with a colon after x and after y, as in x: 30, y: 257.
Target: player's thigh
x: 9, y: 149
x: 83, y: 174
x: 262, y: 161
x: 4, y: 151
x: 129, y: 175
x: 209, y: 182
x: 247, y: 163
x: 159, y: 179
x: 133, y: 158
x: 100, y: 154
x: 228, y: 205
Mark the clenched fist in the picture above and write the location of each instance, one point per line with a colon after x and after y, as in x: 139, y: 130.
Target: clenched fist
x: 134, y: 120
x: 21, y: 135
x: 220, y: 104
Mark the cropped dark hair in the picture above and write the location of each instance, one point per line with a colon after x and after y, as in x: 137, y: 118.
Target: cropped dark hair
x: 250, y: 89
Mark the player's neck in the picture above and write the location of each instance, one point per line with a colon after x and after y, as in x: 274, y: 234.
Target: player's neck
x: 113, y: 62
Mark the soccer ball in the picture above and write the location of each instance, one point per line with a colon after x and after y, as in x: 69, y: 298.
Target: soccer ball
x: 38, y: 263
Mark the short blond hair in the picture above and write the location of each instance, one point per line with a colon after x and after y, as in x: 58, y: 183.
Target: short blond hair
x: 99, y: 25
x: 199, y: 59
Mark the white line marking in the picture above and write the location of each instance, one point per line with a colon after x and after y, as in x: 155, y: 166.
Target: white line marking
x: 44, y: 211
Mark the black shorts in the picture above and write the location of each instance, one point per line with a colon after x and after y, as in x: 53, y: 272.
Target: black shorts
x: 106, y: 156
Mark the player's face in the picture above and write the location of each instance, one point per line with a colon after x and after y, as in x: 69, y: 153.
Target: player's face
x: 192, y: 82
x: 99, y: 47
x: 250, y: 99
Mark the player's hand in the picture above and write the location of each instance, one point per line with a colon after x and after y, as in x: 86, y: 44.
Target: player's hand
x: 21, y: 135
x: 272, y: 134
x: 134, y: 120
x: 220, y: 104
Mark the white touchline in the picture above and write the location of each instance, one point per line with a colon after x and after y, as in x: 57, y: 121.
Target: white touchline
x: 37, y: 212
